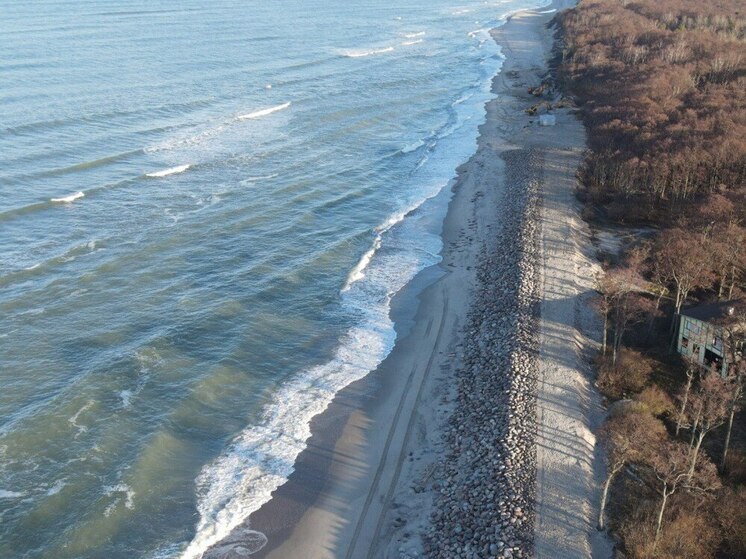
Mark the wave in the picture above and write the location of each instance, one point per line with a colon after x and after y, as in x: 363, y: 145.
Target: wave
x: 263, y: 112
x: 462, y: 99
x: 414, y: 35
x: 412, y: 147
x: 169, y: 171
x: 68, y: 199
x: 410, y: 43
x: 74, y: 419
x: 56, y: 487
x: 356, y: 274
x: 252, y: 180
x: 119, y: 489
x: 363, y: 53
x: 4, y: 494
x: 262, y: 458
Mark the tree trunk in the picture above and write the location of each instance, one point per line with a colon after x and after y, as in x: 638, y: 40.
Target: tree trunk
x: 660, y: 518
x: 694, y: 428
x: 606, y: 330
x: 689, y: 377
x: 732, y: 282
x: 727, y: 438
x: 695, y: 453
x: 605, y: 494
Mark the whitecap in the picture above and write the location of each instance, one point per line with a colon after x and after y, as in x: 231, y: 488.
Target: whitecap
x: 169, y: 171
x: 363, y: 53
x: 68, y: 199
x: 120, y: 488
x: 410, y: 43
x: 263, y: 112
x: 74, y: 419
x: 357, y: 272
x: 5, y: 494
x: 252, y: 180
x: 412, y: 147
x: 414, y: 35
x: 56, y: 488
x: 126, y: 397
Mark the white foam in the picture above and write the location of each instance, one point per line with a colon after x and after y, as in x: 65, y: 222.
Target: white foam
x: 120, y: 488
x: 68, y: 199
x: 412, y: 147
x: 363, y: 53
x: 263, y: 456
x: 357, y: 273
x: 4, y: 494
x: 263, y: 112
x: 126, y: 396
x: 410, y: 43
x: 74, y: 419
x: 169, y: 171
x: 413, y: 35
x: 462, y: 99
x: 252, y: 180
x: 56, y: 488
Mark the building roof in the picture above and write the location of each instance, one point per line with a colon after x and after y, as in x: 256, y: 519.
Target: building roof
x: 719, y: 312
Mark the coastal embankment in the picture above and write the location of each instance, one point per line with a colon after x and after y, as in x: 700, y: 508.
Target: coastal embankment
x: 474, y: 437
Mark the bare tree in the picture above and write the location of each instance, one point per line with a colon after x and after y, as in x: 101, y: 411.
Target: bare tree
x: 627, y: 438
x: 621, y: 303
x: 670, y: 464
x: 736, y: 381
x: 711, y: 402
x: 683, y: 257
x: 733, y: 329
x: 692, y: 367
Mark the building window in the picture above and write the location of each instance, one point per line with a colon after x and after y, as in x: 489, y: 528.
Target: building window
x: 692, y: 327
x: 695, y: 349
x: 684, y: 342
x: 717, y: 343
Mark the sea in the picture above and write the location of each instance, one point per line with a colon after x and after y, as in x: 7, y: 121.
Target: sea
x: 206, y: 208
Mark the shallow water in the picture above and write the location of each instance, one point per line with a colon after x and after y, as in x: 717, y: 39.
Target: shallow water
x: 205, y: 209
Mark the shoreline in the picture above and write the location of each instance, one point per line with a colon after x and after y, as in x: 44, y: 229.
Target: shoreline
x: 382, y: 460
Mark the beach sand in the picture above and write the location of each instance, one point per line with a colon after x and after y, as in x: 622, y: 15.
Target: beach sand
x: 371, y: 479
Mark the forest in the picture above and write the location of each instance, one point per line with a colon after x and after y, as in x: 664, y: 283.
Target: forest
x: 661, y: 88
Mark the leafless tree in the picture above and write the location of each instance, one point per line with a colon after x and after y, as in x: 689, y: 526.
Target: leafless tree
x: 627, y: 438
x: 710, y: 403
x: 692, y: 368
x: 670, y: 464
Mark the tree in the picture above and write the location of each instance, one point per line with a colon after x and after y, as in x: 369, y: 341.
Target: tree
x: 670, y: 465
x: 627, y: 438
x: 736, y: 381
x: 684, y: 259
x: 711, y: 404
x: 733, y: 328
x: 621, y: 303
x: 692, y: 367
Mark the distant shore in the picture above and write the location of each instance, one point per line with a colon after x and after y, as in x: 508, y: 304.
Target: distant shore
x: 407, y: 460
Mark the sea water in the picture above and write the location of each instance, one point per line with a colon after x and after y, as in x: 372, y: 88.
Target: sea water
x: 205, y: 210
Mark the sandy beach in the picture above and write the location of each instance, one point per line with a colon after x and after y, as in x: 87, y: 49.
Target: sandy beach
x: 474, y: 437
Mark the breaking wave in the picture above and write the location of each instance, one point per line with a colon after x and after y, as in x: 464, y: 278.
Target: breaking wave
x: 263, y: 112
x: 169, y: 171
